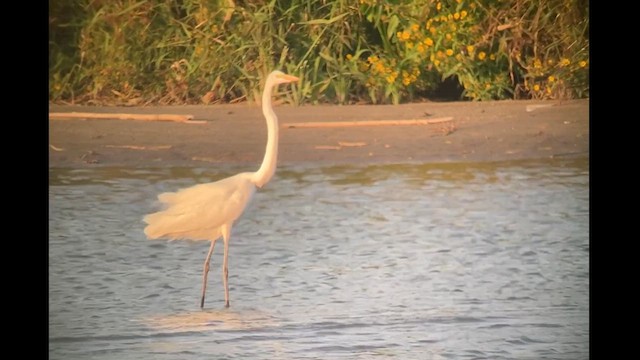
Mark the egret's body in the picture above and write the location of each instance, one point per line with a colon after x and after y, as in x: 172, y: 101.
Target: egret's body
x: 208, y: 211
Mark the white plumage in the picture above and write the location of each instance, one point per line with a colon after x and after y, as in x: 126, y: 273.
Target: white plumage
x: 198, y: 212
x: 208, y: 211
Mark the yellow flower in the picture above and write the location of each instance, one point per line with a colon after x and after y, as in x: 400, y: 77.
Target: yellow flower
x: 550, y: 62
x: 482, y: 55
x: 432, y: 30
x: 487, y: 86
x: 438, y: 6
x: 409, y: 45
x: 582, y: 63
x: 421, y: 48
x: 449, y: 52
x: 463, y: 14
x: 443, y: 18
x: 447, y: 36
x: 436, y: 62
x: 407, y: 78
x: 453, y: 27
x: 564, y: 62
x: 536, y: 87
x: 548, y: 90
x: 456, y: 16
x: 459, y: 57
x: 470, y: 49
x: 492, y: 56
x: 349, y: 56
x: 440, y: 54
x: 428, y: 41
x: 450, y: 17
x: 406, y: 35
x: 415, y: 27
x: 537, y: 64
x: 372, y: 59
x: 551, y: 78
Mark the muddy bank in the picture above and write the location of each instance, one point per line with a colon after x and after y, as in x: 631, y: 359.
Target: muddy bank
x: 236, y: 134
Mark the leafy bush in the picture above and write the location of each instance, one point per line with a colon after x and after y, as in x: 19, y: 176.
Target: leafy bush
x: 197, y: 51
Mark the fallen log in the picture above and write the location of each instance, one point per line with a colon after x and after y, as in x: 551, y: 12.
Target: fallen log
x: 120, y: 116
x: 325, y: 124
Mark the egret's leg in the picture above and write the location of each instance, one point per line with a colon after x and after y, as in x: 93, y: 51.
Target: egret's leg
x: 205, y: 272
x: 226, y: 232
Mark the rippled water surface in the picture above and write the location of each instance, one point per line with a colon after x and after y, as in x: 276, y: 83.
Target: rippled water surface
x: 444, y: 261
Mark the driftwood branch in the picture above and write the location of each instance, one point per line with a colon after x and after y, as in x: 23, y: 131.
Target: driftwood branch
x: 139, y: 147
x: 320, y: 124
x: 145, y: 117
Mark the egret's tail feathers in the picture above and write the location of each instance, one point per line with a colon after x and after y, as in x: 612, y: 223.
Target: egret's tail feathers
x: 156, y: 227
x: 198, y: 212
x: 165, y: 225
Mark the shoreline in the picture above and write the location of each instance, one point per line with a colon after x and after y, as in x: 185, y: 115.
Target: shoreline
x: 236, y: 134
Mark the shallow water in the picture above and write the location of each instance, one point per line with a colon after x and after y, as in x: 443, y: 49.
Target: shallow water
x: 444, y: 261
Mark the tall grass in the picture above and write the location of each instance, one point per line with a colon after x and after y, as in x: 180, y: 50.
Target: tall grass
x: 129, y: 52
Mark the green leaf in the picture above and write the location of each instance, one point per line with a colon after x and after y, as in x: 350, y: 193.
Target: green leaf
x: 323, y: 21
x: 130, y: 8
x: 327, y: 57
x: 393, y: 25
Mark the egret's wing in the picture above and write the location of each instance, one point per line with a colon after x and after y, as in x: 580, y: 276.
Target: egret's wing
x: 197, y: 212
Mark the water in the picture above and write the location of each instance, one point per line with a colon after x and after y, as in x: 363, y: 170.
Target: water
x: 444, y: 261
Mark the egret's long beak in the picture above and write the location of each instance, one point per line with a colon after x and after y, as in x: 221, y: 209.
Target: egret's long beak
x: 289, y: 78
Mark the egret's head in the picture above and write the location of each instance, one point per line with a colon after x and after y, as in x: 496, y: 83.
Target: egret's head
x: 278, y: 77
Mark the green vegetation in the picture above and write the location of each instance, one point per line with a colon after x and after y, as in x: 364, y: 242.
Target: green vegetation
x: 128, y: 52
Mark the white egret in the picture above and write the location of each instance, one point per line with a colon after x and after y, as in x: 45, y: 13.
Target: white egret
x: 208, y: 211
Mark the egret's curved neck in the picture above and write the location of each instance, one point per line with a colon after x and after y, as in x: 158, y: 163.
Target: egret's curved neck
x: 268, y: 167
